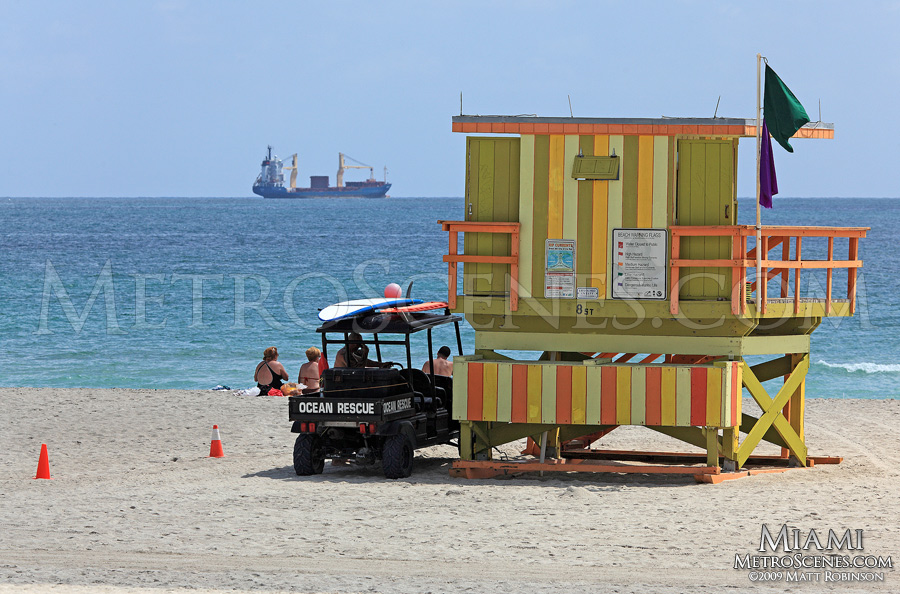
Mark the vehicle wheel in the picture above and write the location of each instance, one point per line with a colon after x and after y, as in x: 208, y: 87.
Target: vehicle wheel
x: 397, y: 457
x: 309, y: 454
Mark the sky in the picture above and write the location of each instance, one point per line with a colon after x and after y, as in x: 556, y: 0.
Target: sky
x: 178, y: 98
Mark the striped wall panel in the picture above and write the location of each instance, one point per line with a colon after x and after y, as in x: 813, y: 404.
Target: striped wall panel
x: 574, y: 394
x: 552, y: 205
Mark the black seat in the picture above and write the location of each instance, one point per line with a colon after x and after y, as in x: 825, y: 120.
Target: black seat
x: 419, y: 382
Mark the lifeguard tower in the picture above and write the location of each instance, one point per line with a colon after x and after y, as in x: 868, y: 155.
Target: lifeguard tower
x: 610, y: 246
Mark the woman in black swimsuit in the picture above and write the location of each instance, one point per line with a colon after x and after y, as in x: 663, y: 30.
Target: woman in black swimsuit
x: 269, y: 373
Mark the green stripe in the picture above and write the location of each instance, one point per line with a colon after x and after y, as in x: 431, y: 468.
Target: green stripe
x: 541, y: 203
x: 630, y: 182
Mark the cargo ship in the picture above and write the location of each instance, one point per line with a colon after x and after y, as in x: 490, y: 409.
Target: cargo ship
x: 270, y: 182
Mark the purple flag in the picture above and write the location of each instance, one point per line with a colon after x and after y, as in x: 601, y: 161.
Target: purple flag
x: 768, y: 184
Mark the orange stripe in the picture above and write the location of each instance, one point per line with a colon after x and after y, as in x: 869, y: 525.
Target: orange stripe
x: 698, y: 396
x: 475, y: 404
x: 654, y: 396
x: 519, y: 411
x: 564, y: 394
x: 608, y: 396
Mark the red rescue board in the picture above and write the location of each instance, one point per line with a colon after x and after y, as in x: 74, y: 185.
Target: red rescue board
x: 427, y: 306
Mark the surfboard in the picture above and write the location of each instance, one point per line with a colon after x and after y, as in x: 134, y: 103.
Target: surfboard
x: 348, y: 309
x: 425, y: 306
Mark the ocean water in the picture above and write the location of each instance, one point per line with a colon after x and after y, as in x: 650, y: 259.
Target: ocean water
x: 186, y: 293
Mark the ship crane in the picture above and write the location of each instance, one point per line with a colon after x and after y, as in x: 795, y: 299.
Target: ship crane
x: 293, y: 170
x: 342, y: 166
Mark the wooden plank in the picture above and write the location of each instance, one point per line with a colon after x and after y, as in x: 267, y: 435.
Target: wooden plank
x: 470, y: 240
x: 599, y: 216
x: 645, y: 182
x: 683, y: 396
x: 594, y: 389
x: 608, y: 399
x: 475, y: 408
x: 534, y: 393
x: 629, y: 173
x: 725, y: 390
x: 548, y: 394
x: 614, y: 208
x: 519, y: 409
x: 489, y: 392
x: 461, y: 392
x: 638, y: 395
x: 698, y: 396
x: 541, y: 206
x: 579, y: 395
x: 654, y: 396
x: 504, y: 392
x: 660, y: 197
x: 484, y: 211
x: 556, y: 194
x: 584, y: 242
x: 667, y: 390
x: 623, y: 395
x: 526, y: 214
x: 714, y: 397
x: 564, y: 394
x: 570, y: 189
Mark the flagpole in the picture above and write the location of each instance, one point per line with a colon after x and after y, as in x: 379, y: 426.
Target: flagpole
x: 759, y: 278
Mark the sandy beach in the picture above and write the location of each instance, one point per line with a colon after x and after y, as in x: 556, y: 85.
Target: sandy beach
x: 136, y: 506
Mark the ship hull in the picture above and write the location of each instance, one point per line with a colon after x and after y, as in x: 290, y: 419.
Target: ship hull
x: 367, y: 191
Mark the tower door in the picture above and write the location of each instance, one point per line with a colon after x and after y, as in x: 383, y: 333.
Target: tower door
x: 492, y: 195
x: 706, y: 196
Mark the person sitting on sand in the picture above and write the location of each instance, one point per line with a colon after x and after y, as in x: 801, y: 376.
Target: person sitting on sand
x: 359, y: 355
x: 309, y: 372
x: 441, y: 365
x: 269, y: 373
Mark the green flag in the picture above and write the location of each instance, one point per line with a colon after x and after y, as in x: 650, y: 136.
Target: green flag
x: 783, y: 113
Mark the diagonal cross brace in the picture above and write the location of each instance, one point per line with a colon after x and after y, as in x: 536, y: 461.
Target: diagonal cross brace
x: 772, y: 413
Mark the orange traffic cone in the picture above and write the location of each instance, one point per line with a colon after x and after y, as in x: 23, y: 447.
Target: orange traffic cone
x: 43, y: 469
x: 215, y: 447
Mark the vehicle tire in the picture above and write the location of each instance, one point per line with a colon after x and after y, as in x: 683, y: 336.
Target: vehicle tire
x: 397, y: 457
x: 309, y: 454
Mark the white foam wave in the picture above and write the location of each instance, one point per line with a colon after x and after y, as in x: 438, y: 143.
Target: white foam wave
x: 865, y: 367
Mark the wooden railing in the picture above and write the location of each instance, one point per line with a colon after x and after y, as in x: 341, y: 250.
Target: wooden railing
x: 771, y: 237
x: 453, y: 257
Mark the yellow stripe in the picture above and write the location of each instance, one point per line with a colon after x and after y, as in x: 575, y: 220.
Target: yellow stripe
x: 461, y: 393
x: 645, y: 182
x: 489, y: 392
x: 668, y: 396
x: 504, y: 392
x: 534, y: 393
x: 683, y: 396
x: 714, y: 397
x: 623, y: 395
x: 598, y: 223
x: 639, y: 396
x: 660, y: 181
x: 570, y: 190
x: 556, y: 195
x: 548, y: 394
x: 579, y: 395
x: 614, y: 210
x: 526, y: 213
x: 592, y: 403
